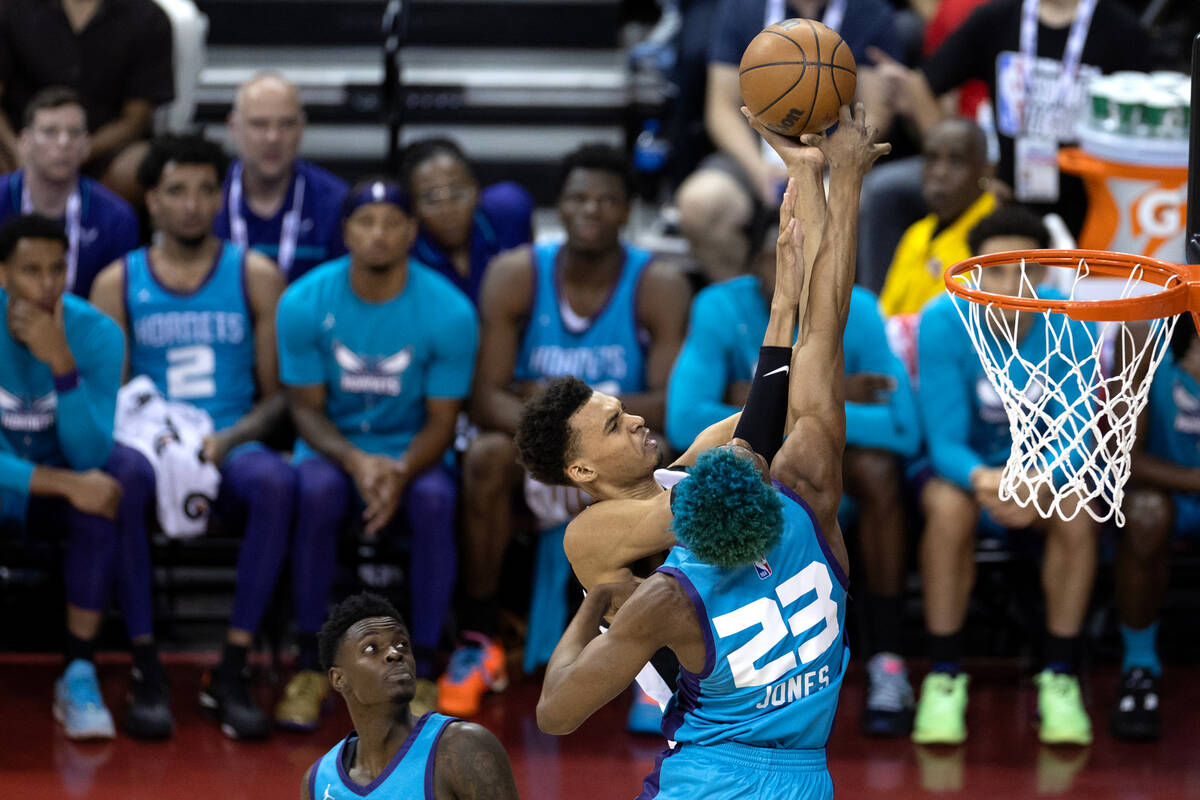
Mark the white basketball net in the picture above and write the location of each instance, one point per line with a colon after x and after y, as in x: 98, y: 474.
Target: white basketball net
x: 1072, y: 414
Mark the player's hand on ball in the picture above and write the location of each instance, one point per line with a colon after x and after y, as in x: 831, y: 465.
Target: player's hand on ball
x: 852, y: 145
x: 94, y: 492
x: 795, y: 154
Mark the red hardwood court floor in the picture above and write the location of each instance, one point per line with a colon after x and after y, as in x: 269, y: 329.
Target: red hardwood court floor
x: 1002, y: 758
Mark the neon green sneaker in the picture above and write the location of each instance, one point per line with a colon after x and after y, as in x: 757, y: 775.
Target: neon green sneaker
x: 1063, y: 719
x: 942, y: 710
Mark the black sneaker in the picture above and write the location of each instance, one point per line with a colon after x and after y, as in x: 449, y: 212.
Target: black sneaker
x: 231, y: 702
x: 1135, y: 717
x: 889, y: 708
x: 149, y: 715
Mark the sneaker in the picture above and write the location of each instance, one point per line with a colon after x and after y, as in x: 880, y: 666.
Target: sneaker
x: 1062, y: 719
x: 889, y: 710
x: 941, y: 716
x: 645, y: 714
x: 78, y: 704
x: 149, y: 715
x: 475, y: 668
x: 300, y: 707
x: 424, y: 698
x: 1136, y: 717
x: 235, y: 709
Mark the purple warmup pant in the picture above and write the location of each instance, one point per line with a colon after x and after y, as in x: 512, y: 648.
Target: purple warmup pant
x: 324, y: 498
x: 258, y: 489
x: 92, y: 543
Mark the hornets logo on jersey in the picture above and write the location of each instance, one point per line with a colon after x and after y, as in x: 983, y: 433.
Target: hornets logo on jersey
x: 371, y: 375
x: 27, y: 416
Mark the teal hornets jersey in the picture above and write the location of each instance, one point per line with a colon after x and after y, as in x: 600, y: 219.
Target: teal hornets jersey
x: 1175, y: 414
x: 197, y: 346
x: 605, y: 351
x: 379, y: 362
x: 408, y: 776
x: 774, y: 641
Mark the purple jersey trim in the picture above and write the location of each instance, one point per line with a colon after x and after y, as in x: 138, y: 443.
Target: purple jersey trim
x: 433, y: 757
x: 833, y: 562
x: 560, y: 298
x: 125, y: 303
x: 312, y: 778
x: 67, y: 382
x: 246, y: 284
x: 363, y: 791
x: 650, y: 784
x: 710, y: 650
x: 212, y: 271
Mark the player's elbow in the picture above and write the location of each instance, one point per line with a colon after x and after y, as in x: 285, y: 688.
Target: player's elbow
x: 553, y: 719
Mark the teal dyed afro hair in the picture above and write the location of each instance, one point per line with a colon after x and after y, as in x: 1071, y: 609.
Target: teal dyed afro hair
x: 724, y: 512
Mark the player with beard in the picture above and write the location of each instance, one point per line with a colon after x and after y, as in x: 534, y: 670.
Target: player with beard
x: 366, y: 651
x: 200, y: 318
x: 377, y: 353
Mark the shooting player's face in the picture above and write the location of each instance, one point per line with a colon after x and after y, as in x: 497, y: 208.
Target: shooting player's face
x: 612, y: 445
x: 374, y: 663
x: 36, y: 272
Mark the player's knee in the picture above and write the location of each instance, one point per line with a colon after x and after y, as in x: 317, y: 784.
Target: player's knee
x: 274, y: 481
x: 950, y: 513
x: 488, y: 461
x: 1148, y: 515
x: 130, y: 468
x: 320, y: 484
x: 435, y: 493
x: 873, y: 476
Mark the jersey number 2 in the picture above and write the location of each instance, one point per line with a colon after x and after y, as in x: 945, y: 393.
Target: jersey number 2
x: 767, y: 613
x: 190, y: 372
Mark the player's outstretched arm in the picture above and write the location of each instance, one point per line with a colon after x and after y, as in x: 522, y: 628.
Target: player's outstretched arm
x: 810, y: 461
x: 471, y: 765
x: 588, y: 669
x: 790, y: 271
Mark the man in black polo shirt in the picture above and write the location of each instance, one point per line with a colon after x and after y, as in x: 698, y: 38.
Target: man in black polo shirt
x: 115, y: 53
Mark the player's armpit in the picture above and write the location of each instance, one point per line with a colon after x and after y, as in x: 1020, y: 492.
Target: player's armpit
x: 472, y: 765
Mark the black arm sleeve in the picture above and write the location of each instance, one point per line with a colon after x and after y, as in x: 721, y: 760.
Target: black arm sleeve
x: 765, y: 414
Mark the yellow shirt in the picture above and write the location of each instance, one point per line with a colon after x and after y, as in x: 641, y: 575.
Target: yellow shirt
x: 921, y: 258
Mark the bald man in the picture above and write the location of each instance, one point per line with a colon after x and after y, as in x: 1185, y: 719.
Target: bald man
x: 274, y: 202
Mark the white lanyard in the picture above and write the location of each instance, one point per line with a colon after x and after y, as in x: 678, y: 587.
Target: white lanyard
x: 74, y: 224
x: 835, y: 12
x: 289, y: 233
x: 1072, y: 54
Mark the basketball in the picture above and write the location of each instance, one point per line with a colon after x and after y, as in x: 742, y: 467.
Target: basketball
x: 795, y: 75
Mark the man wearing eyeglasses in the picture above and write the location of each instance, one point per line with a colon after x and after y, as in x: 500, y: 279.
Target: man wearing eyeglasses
x: 282, y: 206
x: 53, y: 145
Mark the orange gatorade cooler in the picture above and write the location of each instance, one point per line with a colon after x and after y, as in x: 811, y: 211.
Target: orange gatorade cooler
x: 1133, y: 157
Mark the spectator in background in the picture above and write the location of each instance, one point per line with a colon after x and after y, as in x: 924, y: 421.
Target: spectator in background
x: 377, y: 352
x: 200, y: 313
x: 948, y: 16
x: 968, y: 436
x: 462, y: 227
x: 115, y: 53
x: 101, y: 227
x: 989, y: 47
x: 711, y: 381
x: 718, y: 200
x: 1162, y: 501
x: 284, y: 207
x: 591, y: 307
x: 953, y: 179
x: 60, y: 366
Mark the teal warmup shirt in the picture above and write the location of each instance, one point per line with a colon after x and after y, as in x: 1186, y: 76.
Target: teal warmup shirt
x: 198, y: 346
x: 379, y: 362
x: 408, y: 776
x: 606, y: 351
x: 964, y: 421
x: 774, y: 640
x: 728, y: 321
x: 65, y: 421
x: 1175, y: 414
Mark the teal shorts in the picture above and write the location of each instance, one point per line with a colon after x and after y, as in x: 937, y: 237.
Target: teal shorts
x: 727, y: 771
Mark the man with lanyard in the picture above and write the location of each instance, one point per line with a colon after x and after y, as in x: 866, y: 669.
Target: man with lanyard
x: 278, y: 204
x: 717, y: 200
x: 54, y: 144
x: 1037, y: 88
